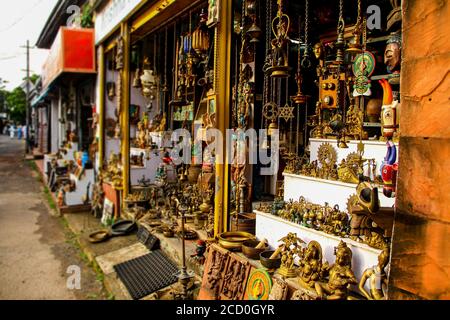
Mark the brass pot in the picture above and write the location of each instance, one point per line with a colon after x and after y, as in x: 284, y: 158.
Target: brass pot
x: 233, y: 240
x: 373, y: 110
x: 193, y: 173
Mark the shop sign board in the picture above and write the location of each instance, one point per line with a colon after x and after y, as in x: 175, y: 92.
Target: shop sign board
x: 72, y: 51
x: 112, y: 15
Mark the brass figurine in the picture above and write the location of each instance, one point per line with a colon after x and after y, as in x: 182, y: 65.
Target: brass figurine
x: 377, y: 278
x: 341, y: 276
x: 290, y: 249
x: 312, y: 268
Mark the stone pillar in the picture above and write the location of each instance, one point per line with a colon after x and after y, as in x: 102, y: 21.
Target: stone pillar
x: 420, y: 265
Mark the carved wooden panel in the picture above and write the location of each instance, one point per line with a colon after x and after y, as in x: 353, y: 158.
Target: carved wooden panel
x: 213, y: 275
x: 235, y: 278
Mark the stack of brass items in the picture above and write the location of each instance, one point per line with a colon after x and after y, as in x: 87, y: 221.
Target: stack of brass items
x: 331, y: 220
x: 317, y: 278
x: 349, y: 170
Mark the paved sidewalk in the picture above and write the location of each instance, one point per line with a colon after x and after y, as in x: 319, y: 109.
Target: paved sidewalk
x: 34, y: 248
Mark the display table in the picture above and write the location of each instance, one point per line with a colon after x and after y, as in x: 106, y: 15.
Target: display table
x: 319, y: 191
x: 274, y: 228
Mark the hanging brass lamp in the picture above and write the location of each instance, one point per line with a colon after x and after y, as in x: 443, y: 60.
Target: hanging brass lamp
x: 200, y: 36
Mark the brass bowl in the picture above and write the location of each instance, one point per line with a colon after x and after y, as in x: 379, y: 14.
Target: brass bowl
x: 270, y: 264
x: 233, y: 240
x: 250, y: 251
x: 168, y: 233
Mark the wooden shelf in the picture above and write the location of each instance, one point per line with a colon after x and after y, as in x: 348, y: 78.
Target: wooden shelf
x: 377, y: 39
x: 372, y: 124
x: 379, y: 77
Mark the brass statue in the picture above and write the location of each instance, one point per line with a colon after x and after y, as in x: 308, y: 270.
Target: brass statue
x: 341, y: 276
x: 291, y: 247
x: 377, y: 278
x: 327, y: 156
x: 311, y: 267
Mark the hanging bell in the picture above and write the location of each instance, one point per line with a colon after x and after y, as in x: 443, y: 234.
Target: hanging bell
x: 354, y: 49
x: 272, y: 127
x: 111, y: 90
x: 342, y: 144
x: 254, y: 32
x: 265, y: 143
x: 137, y: 79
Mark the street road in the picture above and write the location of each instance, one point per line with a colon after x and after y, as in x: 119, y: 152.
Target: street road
x: 34, y: 252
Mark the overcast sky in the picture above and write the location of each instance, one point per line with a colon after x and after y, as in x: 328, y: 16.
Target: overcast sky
x: 21, y: 20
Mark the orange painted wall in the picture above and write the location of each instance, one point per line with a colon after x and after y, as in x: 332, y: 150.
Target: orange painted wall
x: 420, y: 264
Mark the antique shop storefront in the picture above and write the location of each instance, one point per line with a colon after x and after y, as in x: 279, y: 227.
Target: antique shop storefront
x: 318, y: 85
x: 158, y: 73
x: 67, y: 98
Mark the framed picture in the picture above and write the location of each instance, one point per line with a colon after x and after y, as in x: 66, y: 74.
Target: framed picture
x: 134, y: 114
x: 108, y: 213
x: 213, y: 13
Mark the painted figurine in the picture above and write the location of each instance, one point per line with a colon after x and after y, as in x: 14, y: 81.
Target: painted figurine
x: 392, y: 57
x: 389, y: 111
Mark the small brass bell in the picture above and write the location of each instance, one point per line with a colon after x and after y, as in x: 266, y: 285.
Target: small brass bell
x: 265, y: 143
x: 272, y: 127
x: 342, y: 144
x: 111, y: 90
x: 137, y: 79
x: 255, y: 32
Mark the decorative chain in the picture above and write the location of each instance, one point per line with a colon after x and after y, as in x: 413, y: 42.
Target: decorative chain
x: 364, y: 33
x: 306, y: 62
x: 166, y: 44
x: 307, y: 22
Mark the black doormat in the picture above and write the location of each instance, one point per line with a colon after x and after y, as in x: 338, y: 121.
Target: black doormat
x: 144, y: 275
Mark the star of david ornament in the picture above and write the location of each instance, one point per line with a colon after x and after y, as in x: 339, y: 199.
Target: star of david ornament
x: 286, y: 113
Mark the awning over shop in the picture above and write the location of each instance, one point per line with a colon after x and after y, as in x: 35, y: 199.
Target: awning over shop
x: 73, y: 51
x: 41, y: 97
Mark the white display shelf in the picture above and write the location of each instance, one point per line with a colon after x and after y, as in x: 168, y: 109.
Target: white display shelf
x: 76, y: 197
x: 274, y: 228
x: 70, y: 152
x: 150, y: 167
x: 319, y: 191
x: 372, y: 150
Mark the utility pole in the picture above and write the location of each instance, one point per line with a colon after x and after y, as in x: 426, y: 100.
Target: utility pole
x: 28, y: 111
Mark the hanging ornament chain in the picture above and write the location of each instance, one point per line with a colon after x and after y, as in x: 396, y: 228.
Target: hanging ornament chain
x: 358, y: 27
x: 166, y: 44
x: 267, y: 62
x: 306, y: 62
x: 340, y: 43
x: 364, y: 45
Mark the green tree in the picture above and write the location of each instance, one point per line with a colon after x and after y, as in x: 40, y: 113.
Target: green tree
x: 33, y: 78
x: 16, y: 102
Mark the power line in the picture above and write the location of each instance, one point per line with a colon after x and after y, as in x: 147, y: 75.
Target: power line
x: 12, y: 57
x: 18, y: 20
